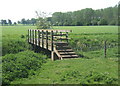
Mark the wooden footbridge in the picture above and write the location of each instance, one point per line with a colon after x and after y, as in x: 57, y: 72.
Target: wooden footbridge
x: 55, y: 41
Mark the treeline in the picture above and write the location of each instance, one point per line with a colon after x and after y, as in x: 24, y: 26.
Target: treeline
x: 88, y: 16
x: 84, y: 17
x: 23, y: 21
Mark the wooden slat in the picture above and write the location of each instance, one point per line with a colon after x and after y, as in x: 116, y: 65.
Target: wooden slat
x: 57, y: 53
x: 49, y: 30
x: 69, y: 56
x: 66, y: 50
x: 61, y: 38
x: 62, y: 48
x: 59, y: 35
x: 68, y: 53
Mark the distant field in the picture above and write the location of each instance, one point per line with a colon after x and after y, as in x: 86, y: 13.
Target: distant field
x: 75, y: 29
x: 89, y: 29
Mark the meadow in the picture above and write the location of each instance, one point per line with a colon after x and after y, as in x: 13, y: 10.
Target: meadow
x: 87, y: 41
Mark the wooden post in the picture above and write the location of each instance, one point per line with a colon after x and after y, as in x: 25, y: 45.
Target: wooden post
x: 30, y: 36
x: 52, y: 55
x: 105, y: 49
x: 52, y: 51
x: 38, y: 38
x: 42, y: 39
x: 51, y: 40
x: 33, y: 35
x: 47, y: 40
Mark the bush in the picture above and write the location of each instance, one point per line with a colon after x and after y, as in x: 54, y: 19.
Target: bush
x: 103, y: 22
x: 14, y: 46
x: 21, y: 65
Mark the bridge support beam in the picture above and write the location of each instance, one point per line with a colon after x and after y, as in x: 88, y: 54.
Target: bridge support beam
x: 52, y: 55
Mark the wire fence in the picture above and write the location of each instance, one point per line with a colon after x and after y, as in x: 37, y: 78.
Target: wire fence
x: 84, y: 47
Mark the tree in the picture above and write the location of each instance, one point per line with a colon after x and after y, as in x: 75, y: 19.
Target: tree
x: 15, y: 23
x: 9, y: 22
x: 33, y: 21
x: 19, y: 22
x: 23, y: 21
x: 42, y: 22
x: 4, y: 22
x: 103, y: 22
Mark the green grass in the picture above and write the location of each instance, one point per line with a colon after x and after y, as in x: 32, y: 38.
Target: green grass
x: 93, y: 68
x: 89, y: 29
x: 75, y: 71
x: 75, y: 29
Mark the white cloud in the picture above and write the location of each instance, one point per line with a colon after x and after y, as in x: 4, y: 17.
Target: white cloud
x: 17, y: 9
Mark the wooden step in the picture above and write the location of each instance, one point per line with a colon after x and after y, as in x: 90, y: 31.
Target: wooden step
x: 62, y: 38
x: 67, y: 53
x: 69, y: 56
x: 61, y: 44
x: 56, y: 35
x: 65, y: 50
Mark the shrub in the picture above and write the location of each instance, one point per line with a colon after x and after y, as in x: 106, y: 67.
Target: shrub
x: 21, y: 65
x: 14, y: 46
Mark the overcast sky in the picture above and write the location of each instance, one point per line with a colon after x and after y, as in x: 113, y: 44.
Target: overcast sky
x: 18, y: 9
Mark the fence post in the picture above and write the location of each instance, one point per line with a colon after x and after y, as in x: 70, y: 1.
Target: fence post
x: 105, y: 48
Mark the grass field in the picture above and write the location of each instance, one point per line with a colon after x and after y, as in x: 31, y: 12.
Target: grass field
x: 87, y: 41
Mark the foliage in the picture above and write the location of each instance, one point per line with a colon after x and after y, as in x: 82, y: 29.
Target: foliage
x: 43, y: 24
x: 14, y: 46
x: 103, y: 22
x: 21, y: 65
x: 88, y: 16
x: 76, y: 71
x: 84, y: 17
x: 31, y: 21
x: 42, y: 21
